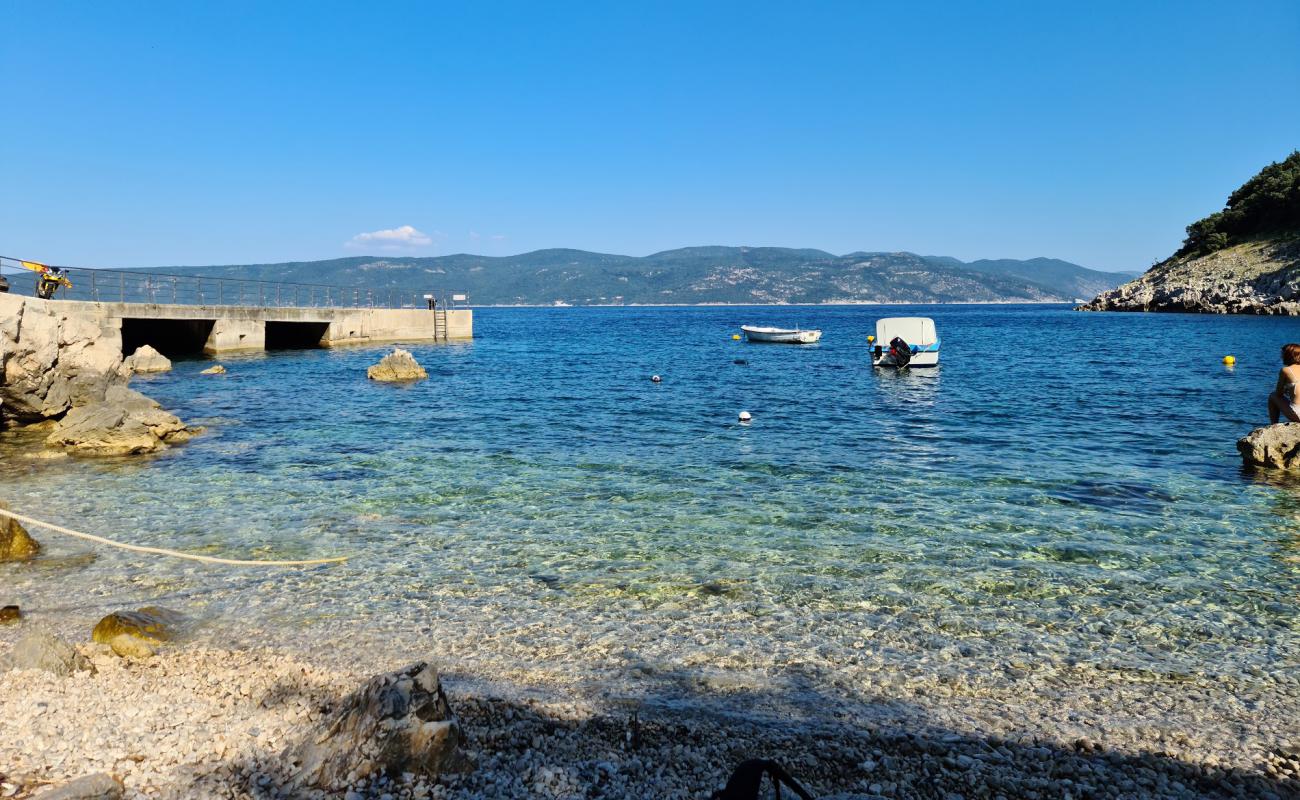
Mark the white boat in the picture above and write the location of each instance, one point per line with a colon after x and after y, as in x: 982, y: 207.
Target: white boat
x: 780, y: 335
x: 917, y: 345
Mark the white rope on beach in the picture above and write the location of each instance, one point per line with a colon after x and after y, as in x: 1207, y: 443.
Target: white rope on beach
x: 162, y: 551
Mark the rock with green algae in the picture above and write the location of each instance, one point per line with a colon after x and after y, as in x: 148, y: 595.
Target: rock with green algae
x: 16, y: 544
x: 151, y: 625
x: 128, y: 646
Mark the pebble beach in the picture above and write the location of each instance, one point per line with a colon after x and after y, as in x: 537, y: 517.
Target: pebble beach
x: 199, y: 722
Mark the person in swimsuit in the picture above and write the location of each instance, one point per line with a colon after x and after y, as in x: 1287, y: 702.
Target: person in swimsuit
x: 1285, y: 401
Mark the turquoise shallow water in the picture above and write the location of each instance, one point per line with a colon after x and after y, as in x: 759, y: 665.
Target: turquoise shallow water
x: 1064, y: 488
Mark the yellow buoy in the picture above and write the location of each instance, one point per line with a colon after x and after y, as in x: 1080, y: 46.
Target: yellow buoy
x: 735, y: 337
x: 871, y: 339
x: 1230, y: 360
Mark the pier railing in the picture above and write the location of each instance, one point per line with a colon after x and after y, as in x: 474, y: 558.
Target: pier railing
x: 156, y: 288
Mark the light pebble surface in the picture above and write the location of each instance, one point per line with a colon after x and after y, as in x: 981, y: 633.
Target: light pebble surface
x: 197, y: 721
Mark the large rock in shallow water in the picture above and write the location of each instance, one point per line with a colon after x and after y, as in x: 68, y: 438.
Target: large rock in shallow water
x: 398, y: 365
x: 1275, y: 446
x: 398, y: 722
x: 16, y: 544
x: 146, y: 359
x: 125, y: 423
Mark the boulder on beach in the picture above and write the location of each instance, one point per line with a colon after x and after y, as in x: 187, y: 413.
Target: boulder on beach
x: 16, y: 544
x: 100, y: 786
x: 125, y: 423
x: 45, y: 651
x: 398, y: 722
x: 214, y: 370
x: 398, y: 365
x: 144, y: 360
x: 1273, y: 446
x: 151, y: 625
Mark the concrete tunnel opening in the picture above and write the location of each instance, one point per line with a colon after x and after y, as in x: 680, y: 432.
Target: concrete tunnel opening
x: 174, y: 338
x: 295, y: 335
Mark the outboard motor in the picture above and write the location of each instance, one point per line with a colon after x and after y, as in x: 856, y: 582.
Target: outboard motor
x: 899, y: 352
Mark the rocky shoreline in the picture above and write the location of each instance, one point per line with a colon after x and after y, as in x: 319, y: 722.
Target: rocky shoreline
x: 196, y: 720
x: 1261, y: 277
x: 64, y: 376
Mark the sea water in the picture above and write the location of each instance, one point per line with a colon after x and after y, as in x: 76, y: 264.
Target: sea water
x: 1063, y: 489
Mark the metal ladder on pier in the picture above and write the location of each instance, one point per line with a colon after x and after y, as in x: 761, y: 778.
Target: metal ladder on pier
x: 439, y: 324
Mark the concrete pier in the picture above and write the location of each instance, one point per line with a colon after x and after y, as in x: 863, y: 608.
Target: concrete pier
x: 218, y: 329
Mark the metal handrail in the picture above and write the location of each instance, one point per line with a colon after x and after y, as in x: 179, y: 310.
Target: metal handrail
x: 161, y: 288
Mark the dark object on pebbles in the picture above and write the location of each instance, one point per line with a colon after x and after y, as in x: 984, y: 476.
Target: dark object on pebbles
x: 398, y: 722
x: 746, y: 781
x: 99, y: 786
x: 10, y: 614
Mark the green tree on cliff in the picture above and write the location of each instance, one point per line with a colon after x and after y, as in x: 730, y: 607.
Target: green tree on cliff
x: 1266, y: 205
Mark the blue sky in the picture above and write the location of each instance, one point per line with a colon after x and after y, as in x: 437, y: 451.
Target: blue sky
x: 141, y: 134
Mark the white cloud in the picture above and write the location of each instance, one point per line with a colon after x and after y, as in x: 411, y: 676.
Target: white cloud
x: 499, y: 237
x: 403, y: 238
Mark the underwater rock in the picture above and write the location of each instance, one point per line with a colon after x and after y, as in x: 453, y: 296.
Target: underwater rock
x: 151, y: 625
x: 145, y: 360
x: 398, y: 722
x: 41, y: 650
x: 16, y: 544
x: 1273, y: 446
x: 125, y: 423
x: 100, y: 786
x: 398, y: 365
x: 216, y: 370
x: 10, y: 614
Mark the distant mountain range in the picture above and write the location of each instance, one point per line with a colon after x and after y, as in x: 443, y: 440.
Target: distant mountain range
x: 695, y: 275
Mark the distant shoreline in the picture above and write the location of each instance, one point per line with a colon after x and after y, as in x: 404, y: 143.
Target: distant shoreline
x: 777, y: 305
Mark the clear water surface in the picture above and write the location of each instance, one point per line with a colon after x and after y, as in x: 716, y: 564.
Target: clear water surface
x: 1064, y: 488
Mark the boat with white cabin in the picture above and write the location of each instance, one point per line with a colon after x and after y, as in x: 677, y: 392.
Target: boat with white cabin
x: 780, y: 335
x: 905, y: 342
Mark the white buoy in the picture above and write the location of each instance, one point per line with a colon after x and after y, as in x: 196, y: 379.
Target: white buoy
x: 745, y: 417
x: 655, y: 379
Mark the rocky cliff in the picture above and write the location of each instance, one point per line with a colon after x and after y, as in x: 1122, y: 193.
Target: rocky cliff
x: 1260, y: 277
x: 60, y: 365
x: 51, y: 359
x: 1243, y: 259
